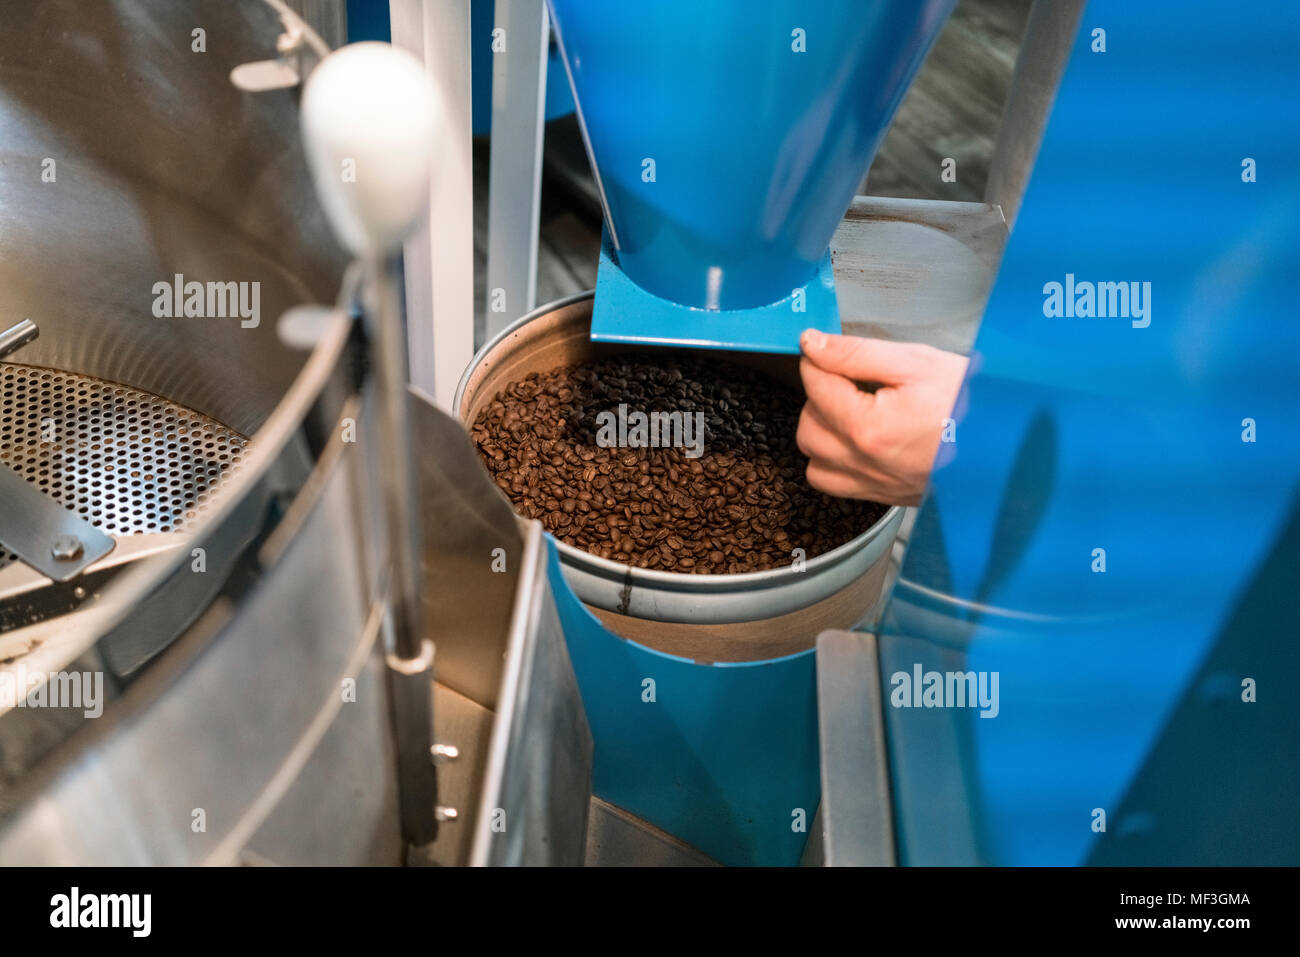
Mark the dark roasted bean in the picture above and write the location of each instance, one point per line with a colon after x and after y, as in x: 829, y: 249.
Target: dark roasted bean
x: 742, y: 506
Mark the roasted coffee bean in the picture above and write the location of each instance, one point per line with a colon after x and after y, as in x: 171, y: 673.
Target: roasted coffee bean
x: 743, y: 505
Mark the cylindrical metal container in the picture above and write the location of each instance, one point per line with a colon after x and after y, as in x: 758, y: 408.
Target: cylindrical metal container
x: 745, y: 617
x: 132, y: 167
x: 199, y: 665
x: 700, y: 690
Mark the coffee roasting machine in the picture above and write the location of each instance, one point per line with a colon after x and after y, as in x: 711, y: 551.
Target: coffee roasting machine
x: 261, y: 603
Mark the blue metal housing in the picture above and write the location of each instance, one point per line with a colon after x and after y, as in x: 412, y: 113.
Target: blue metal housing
x: 722, y: 756
x: 625, y: 312
x: 1112, y: 529
x: 728, y: 138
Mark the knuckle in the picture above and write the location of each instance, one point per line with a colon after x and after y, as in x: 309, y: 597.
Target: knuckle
x: 866, y: 439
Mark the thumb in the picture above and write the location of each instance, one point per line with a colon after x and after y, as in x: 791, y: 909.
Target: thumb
x: 856, y: 358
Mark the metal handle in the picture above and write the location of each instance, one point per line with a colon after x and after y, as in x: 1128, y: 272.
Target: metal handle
x: 15, y: 337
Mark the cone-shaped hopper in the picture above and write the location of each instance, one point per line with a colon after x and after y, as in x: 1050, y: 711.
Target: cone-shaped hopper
x: 728, y: 138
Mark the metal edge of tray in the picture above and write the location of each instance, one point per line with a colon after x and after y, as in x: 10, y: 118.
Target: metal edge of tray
x: 537, y: 787
x: 56, y: 641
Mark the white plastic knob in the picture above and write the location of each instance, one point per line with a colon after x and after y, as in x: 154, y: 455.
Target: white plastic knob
x: 370, y: 120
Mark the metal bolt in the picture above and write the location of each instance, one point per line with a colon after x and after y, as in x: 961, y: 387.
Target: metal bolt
x: 66, y: 548
x: 442, y: 753
x: 442, y: 814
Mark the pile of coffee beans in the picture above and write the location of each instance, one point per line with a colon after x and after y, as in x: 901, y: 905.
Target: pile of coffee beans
x: 743, y: 505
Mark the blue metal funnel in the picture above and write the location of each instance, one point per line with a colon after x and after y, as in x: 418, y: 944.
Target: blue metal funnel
x: 728, y: 139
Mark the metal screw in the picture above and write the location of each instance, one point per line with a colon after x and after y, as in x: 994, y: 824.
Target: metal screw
x: 442, y: 814
x: 66, y: 548
x: 442, y: 753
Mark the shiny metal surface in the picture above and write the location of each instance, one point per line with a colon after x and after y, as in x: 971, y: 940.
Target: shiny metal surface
x: 854, y: 824
x: 126, y: 461
x: 127, y: 158
x: 616, y: 838
x: 323, y: 638
x: 917, y: 270
x: 20, y: 582
x: 242, y: 686
x: 44, y: 534
x: 410, y: 652
x: 118, y: 203
x: 473, y: 556
x: 537, y: 788
x: 318, y: 781
x: 1044, y: 52
x: 557, y: 334
x: 17, y: 336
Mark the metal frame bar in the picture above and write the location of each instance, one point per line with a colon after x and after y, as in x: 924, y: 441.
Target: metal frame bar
x: 439, y: 259
x: 1044, y: 52
x: 515, y: 168
x: 854, y: 824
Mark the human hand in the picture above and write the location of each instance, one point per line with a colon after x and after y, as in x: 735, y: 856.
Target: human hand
x: 875, y: 445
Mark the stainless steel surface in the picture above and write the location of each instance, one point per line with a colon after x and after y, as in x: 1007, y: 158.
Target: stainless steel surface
x: 142, y: 187
x: 396, y: 468
x: 854, y: 824
x: 127, y: 158
x: 223, y: 698
x: 1044, y: 52
x: 318, y: 778
x: 256, y: 682
x: 616, y: 838
x: 410, y: 651
x: 52, y: 539
x: 410, y: 688
x: 468, y: 726
x: 917, y: 270
x: 557, y: 333
x: 17, y: 336
x: 473, y: 554
x: 114, y: 182
x: 341, y: 805
x: 537, y: 786
x: 317, y: 781
x: 128, y: 462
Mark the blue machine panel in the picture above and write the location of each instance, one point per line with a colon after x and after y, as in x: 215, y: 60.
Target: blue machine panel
x: 1119, y: 486
x: 722, y: 756
x: 728, y: 138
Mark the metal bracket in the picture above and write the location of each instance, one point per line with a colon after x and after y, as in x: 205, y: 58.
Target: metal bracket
x: 53, y: 540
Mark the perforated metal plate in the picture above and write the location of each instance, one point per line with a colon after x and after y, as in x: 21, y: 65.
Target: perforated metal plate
x: 126, y: 460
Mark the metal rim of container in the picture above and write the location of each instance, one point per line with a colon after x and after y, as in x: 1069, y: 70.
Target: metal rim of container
x: 606, y: 571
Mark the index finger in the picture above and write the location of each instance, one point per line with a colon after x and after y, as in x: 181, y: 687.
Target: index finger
x: 839, y: 402
x: 859, y: 359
